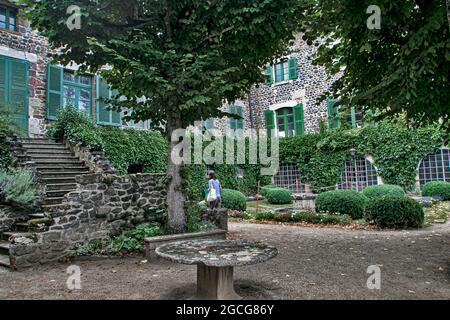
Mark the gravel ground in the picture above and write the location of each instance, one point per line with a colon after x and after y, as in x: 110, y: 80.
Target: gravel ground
x: 312, y: 264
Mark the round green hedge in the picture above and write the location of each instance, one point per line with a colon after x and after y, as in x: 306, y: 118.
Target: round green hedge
x: 394, y: 211
x: 437, y: 189
x: 382, y: 190
x: 265, y: 190
x: 234, y: 200
x: 342, y: 202
x: 279, y: 196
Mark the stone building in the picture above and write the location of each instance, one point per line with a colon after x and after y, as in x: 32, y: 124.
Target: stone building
x: 34, y: 89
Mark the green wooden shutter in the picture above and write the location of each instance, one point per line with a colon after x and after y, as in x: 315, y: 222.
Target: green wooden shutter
x: 292, y: 68
x: 269, y: 117
x: 18, y: 94
x: 299, y: 120
x: 240, y: 113
x: 269, y: 74
x: 103, y: 114
x: 3, y: 82
x: 233, y: 124
x: 333, y: 114
x: 54, y: 91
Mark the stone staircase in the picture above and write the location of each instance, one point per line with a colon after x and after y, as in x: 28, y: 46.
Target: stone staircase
x: 56, y: 167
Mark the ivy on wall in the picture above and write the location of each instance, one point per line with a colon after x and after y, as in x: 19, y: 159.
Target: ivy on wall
x: 396, y: 151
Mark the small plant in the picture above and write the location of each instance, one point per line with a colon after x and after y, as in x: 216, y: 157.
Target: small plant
x: 265, y: 215
x: 17, y: 188
x: 279, y: 196
x: 100, y: 247
x: 394, y: 211
x: 346, y: 202
x: 234, y: 200
x: 439, y: 189
x: 132, y: 240
x: 381, y: 190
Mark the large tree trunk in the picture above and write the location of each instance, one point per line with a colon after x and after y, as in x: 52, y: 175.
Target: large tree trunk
x: 175, y: 196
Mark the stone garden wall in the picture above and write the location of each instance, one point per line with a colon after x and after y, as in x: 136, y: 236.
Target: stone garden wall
x: 102, y: 206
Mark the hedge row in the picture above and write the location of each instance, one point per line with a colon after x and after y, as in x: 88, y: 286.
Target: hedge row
x: 385, y: 206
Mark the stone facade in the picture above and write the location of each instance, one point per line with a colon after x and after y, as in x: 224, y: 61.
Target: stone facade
x: 103, y: 205
x: 26, y: 44
x: 311, y: 83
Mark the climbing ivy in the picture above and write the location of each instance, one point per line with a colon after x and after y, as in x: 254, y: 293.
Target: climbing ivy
x: 396, y: 151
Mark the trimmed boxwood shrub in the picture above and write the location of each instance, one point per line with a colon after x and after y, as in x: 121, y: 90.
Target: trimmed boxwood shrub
x: 394, y: 211
x: 279, y: 196
x: 437, y: 189
x: 347, y: 202
x: 234, y: 200
x: 265, y: 190
x: 382, y: 190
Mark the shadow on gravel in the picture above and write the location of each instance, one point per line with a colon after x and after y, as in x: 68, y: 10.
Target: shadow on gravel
x: 249, y: 290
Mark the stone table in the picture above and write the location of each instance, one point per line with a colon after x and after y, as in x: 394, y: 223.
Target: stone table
x: 215, y: 260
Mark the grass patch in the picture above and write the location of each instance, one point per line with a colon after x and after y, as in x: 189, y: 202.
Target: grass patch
x: 438, y: 212
x: 264, y: 205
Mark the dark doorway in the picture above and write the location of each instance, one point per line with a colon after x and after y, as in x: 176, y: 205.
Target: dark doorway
x: 136, y: 168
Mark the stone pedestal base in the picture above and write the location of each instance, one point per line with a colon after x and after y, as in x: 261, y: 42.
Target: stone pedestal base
x: 215, y: 283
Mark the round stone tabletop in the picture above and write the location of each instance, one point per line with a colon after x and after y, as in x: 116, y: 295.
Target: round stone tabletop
x: 216, y: 253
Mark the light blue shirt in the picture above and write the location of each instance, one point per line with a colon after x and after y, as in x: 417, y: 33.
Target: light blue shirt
x: 215, y: 184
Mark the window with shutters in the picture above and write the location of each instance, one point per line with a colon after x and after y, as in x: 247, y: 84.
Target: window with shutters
x: 8, y: 18
x: 236, y: 124
x: 65, y: 88
x: 281, y: 72
x: 287, y: 121
x: 14, y: 91
x: 105, y: 115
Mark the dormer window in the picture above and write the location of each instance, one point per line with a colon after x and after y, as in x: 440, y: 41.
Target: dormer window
x: 8, y: 18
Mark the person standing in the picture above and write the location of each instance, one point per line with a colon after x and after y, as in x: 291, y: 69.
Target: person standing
x: 214, y: 184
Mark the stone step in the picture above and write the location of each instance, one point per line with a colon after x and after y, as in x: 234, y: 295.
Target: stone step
x: 61, y: 186
x: 22, y: 227
x: 58, y: 193
x: 54, y: 158
x: 4, y: 261
x: 49, y: 152
x: 4, y: 247
x: 57, y: 180
x: 42, y: 161
x: 7, y: 235
x: 41, y: 143
x: 52, y: 201
x: 34, y: 139
x: 61, y: 171
x: 45, y: 147
x: 36, y: 215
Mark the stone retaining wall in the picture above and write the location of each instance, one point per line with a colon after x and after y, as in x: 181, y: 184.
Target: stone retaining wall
x: 102, y: 206
x: 95, y: 160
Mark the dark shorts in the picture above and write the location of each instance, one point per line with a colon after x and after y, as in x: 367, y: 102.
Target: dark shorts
x: 215, y: 204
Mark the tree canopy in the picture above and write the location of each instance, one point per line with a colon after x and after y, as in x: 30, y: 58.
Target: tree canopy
x: 401, y: 68
x: 181, y: 55
x: 175, y: 61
